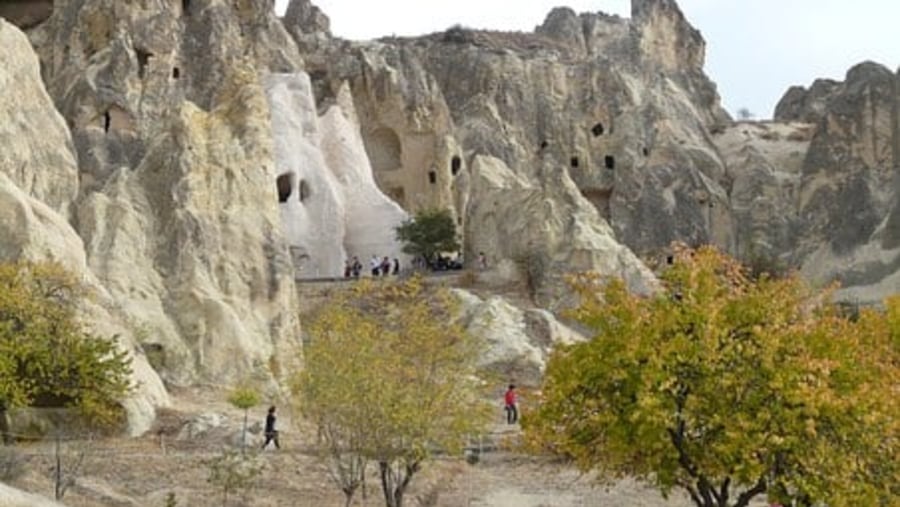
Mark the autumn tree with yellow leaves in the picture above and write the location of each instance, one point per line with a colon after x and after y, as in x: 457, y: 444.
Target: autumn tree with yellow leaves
x: 390, y: 378
x: 729, y: 388
x: 48, y: 357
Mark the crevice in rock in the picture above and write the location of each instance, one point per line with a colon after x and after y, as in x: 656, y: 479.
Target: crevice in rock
x: 107, y: 121
x: 432, y: 177
x: 455, y: 165
x: 574, y: 162
x: 305, y: 191
x: 610, y: 162
x: 176, y: 73
x: 186, y: 7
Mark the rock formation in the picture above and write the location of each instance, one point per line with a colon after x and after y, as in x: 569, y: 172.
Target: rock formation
x: 38, y: 181
x: 11, y: 497
x: 597, y: 100
x: 331, y: 208
x: 177, y: 202
x: 582, y: 145
x: 518, y: 341
x: 622, y: 108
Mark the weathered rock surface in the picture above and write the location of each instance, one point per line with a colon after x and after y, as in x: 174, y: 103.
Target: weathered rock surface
x: 621, y: 107
x: 177, y: 203
x: 37, y: 152
x: 764, y: 166
x: 823, y: 196
x: 519, y: 341
x: 11, y: 497
x: 331, y: 209
x: 545, y: 225
x: 38, y: 180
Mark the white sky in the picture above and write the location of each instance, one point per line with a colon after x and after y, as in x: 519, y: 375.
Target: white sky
x: 756, y: 49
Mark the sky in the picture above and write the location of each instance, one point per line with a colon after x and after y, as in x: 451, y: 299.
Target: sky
x: 756, y: 49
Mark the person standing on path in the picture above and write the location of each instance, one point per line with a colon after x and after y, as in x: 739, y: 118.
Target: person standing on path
x: 510, y: 400
x: 271, y: 432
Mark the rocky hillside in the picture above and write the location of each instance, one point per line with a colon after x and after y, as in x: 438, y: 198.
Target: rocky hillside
x: 193, y: 159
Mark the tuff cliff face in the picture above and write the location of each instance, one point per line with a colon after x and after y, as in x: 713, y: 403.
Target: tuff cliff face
x: 849, y: 190
x: 175, y: 198
x: 619, y: 107
x: 194, y: 157
x: 622, y: 108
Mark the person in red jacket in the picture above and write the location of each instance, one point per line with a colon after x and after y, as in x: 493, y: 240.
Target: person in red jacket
x: 509, y: 400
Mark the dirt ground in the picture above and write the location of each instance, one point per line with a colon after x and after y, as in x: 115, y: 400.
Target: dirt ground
x: 143, y: 472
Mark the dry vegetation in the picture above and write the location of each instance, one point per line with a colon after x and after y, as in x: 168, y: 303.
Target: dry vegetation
x: 143, y: 473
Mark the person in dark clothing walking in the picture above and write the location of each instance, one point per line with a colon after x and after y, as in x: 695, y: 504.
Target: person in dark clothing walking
x: 271, y: 432
x: 509, y: 400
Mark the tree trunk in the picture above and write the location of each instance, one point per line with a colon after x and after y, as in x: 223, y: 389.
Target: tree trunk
x: 244, y: 433
x: 4, y: 425
x: 58, y: 483
x: 387, y: 483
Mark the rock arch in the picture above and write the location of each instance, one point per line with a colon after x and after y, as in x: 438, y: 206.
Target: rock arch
x: 384, y: 149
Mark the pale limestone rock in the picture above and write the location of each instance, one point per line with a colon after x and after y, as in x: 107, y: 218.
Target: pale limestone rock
x: 196, y: 254
x: 621, y: 106
x: 177, y: 204
x: 201, y: 425
x: 34, y: 203
x: 11, y: 497
x: 31, y: 231
x: 331, y: 209
x: 823, y: 196
x: 518, y: 342
x: 37, y: 149
x: 552, y: 224
x: 764, y: 163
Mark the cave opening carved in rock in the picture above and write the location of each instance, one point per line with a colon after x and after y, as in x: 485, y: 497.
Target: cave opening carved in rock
x: 455, y: 165
x: 384, y: 149
x: 610, y: 162
x: 285, y: 185
x: 143, y: 59
x: 598, y: 130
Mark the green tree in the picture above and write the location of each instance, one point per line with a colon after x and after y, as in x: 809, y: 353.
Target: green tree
x: 244, y: 398
x: 728, y: 388
x: 47, y: 357
x: 390, y: 377
x: 429, y: 233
